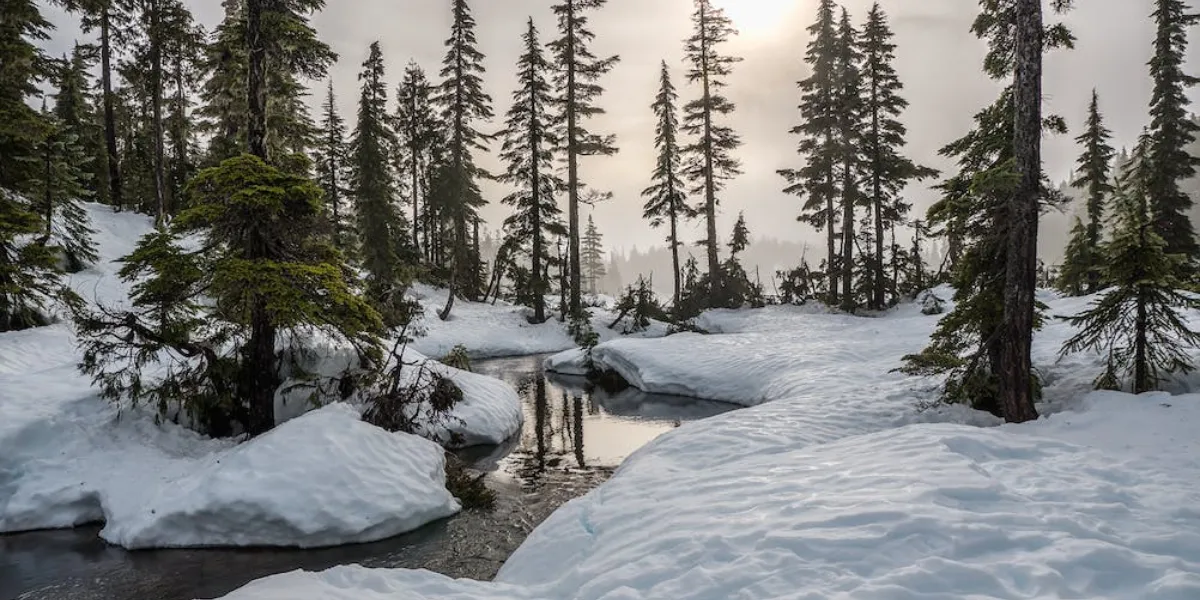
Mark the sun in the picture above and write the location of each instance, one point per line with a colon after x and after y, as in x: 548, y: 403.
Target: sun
x: 758, y: 17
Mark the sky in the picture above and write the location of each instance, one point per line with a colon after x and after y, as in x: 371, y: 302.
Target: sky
x: 937, y: 59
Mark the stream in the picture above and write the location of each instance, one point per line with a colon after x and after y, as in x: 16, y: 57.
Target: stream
x: 573, y: 438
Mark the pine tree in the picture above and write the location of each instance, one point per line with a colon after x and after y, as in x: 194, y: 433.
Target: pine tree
x: 848, y: 94
x: 1080, y: 265
x: 463, y: 103
x: 1094, y: 180
x: 62, y: 188
x: 740, y: 240
x: 381, y: 230
x: 528, y: 150
x: 332, y: 162
x: 73, y: 110
x: 1139, y: 323
x: 666, y: 198
x: 817, y: 180
x: 1172, y: 130
x: 887, y: 170
x: 710, y: 157
x: 579, y: 70
x: 183, y: 53
x: 418, y: 131
x: 592, y: 255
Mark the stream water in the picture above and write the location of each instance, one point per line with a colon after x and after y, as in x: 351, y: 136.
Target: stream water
x: 573, y: 437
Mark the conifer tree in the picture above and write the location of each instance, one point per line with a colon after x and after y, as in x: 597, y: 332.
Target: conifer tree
x: 75, y: 119
x: 382, y: 235
x: 1172, y: 130
x: 1081, y: 264
x: 528, y: 150
x: 888, y: 171
x: 579, y: 70
x: 417, y: 129
x: 61, y: 191
x: 183, y: 52
x: 740, y: 240
x: 1094, y: 179
x: 592, y: 252
x: 710, y: 157
x: 817, y: 180
x: 666, y: 198
x: 332, y: 162
x: 1140, y: 322
x: 463, y: 103
x: 848, y: 96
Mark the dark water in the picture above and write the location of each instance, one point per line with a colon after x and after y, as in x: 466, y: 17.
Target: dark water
x: 573, y: 437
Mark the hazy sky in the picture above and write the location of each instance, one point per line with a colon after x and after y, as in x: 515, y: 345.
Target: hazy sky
x: 938, y: 60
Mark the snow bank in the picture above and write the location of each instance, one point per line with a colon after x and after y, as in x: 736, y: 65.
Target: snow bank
x: 568, y: 362
x: 324, y: 479
x: 489, y: 413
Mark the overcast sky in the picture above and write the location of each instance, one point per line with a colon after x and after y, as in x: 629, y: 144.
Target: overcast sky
x: 938, y: 61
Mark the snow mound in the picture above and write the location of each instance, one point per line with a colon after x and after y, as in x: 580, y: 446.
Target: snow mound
x: 354, y: 582
x: 568, y: 362
x: 323, y: 479
x: 489, y: 413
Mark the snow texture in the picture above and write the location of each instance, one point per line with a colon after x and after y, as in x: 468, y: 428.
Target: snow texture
x: 831, y: 486
x: 489, y: 413
x: 568, y: 362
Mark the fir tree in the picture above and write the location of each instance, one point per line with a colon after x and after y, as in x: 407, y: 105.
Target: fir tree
x: 592, y: 255
x: 710, y: 157
x: 848, y: 95
x: 332, y: 158
x: 1081, y: 265
x: 265, y: 272
x: 1172, y: 130
x: 418, y: 131
x: 22, y: 129
x: 579, y: 70
x: 463, y: 103
x: 887, y: 170
x: 381, y: 230
x: 740, y: 240
x: 666, y: 198
x: 73, y: 111
x: 1094, y: 180
x: 1139, y: 323
x: 528, y: 150
x: 817, y: 180
x: 61, y: 191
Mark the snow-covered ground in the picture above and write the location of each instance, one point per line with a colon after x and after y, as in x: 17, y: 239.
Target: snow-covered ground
x: 832, y: 485
x: 68, y: 457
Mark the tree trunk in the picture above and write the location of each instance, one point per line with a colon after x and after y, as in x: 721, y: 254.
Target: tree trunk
x: 675, y: 256
x: 110, y: 119
x: 156, y: 100
x: 575, y: 269
x: 710, y: 184
x: 847, y: 238
x: 831, y: 267
x: 1141, y: 369
x: 416, y: 201
x: 257, y: 77
x: 1015, y: 384
x: 880, y: 299
x: 535, y: 180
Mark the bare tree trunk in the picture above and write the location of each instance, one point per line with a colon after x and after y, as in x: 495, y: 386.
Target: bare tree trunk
x: 1015, y: 384
x: 847, y: 238
x: 576, y: 271
x: 710, y: 184
x: 156, y: 101
x: 110, y: 119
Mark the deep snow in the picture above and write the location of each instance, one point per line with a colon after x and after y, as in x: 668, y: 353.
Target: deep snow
x: 68, y: 457
x: 832, y: 485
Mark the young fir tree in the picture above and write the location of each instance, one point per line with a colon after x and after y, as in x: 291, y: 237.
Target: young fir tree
x: 666, y: 198
x: 528, y: 150
x: 710, y: 157
x: 1094, y: 179
x: 1172, y: 130
x: 1140, y: 322
x: 592, y: 255
x: 382, y: 235
x: 264, y: 271
x: 60, y: 195
x: 888, y: 171
x: 1081, y: 263
x: 578, y: 71
x: 740, y: 240
x: 418, y: 131
x: 848, y: 95
x: 332, y: 162
x: 462, y: 103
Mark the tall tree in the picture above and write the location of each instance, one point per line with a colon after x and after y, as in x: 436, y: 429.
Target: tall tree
x: 332, y: 158
x: 850, y: 161
x: 417, y: 129
x: 63, y: 184
x: 1172, y: 130
x: 579, y: 70
x: 463, y: 104
x: 1139, y: 323
x: 381, y: 228
x: 888, y: 170
x: 1094, y: 179
x: 528, y: 150
x: 666, y: 198
x: 817, y: 180
x: 76, y: 120
x: 592, y: 256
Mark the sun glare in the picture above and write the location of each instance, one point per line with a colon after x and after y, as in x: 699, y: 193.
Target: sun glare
x: 758, y: 17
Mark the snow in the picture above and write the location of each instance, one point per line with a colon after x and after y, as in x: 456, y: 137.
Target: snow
x: 568, y: 362
x: 833, y: 485
x: 489, y: 413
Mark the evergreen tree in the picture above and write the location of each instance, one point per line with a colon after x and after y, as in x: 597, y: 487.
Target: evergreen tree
x: 60, y: 195
x: 710, y: 156
x: 1139, y: 323
x: 848, y: 96
x: 183, y: 53
x: 817, y: 180
x: 740, y: 240
x: 579, y: 70
x: 592, y: 252
x: 265, y: 272
x: 1081, y: 265
x: 418, y: 131
x: 22, y: 129
x: 1094, y: 180
x: 528, y: 150
x: 73, y: 111
x: 887, y: 170
x: 1172, y: 130
x: 381, y: 230
x: 666, y: 198
x: 463, y: 103
x: 332, y: 158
